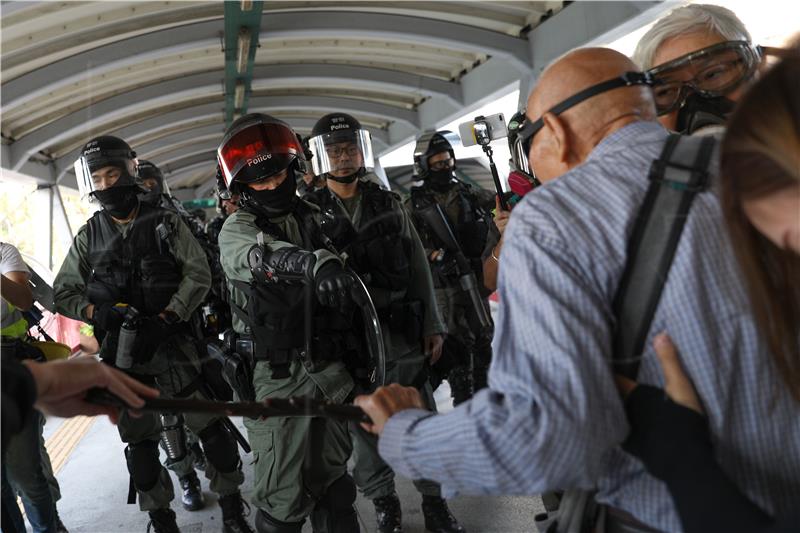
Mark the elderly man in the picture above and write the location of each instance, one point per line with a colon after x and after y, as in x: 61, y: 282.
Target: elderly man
x: 703, y: 58
x: 551, y: 417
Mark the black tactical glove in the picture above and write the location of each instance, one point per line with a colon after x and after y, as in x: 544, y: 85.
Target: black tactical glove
x: 333, y: 285
x: 152, y: 332
x: 108, y: 317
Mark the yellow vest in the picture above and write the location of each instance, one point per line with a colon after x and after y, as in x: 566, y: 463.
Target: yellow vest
x: 18, y: 329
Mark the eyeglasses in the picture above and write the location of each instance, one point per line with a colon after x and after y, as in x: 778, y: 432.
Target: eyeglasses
x: 627, y: 79
x: 443, y: 164
x: 711, y: 72
x: 335, y: 152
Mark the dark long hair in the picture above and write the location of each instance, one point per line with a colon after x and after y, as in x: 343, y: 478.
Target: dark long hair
x: 761, y: 155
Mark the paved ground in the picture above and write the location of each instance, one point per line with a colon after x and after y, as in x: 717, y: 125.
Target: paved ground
x: 94, y: 483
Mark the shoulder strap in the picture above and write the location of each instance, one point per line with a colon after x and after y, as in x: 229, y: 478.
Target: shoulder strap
x: 680, y: 172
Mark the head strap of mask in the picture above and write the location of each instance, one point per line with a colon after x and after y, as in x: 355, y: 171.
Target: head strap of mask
x: 627, y: 79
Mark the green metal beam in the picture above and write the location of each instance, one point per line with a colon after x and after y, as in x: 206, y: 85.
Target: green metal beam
x: 246, y: 24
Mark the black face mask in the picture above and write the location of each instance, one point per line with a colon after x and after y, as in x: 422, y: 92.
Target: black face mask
x: 151, y: 197
x: 278, y: 201
x: 439, y: 180
x: 118, y: 201
x: 698, y: 112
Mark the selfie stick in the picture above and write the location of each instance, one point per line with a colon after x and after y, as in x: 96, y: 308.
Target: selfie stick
x: 488, y: 151
x: 484, y: 139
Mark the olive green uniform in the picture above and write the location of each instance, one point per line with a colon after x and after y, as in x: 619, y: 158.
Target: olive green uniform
x: 175, y: 364
x: 296, y: 459
x: 406, y: 362
x: 455, y: 306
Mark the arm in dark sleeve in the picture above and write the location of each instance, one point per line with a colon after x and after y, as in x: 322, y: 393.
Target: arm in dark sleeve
x: 19, y: 393
x: 674, y: 444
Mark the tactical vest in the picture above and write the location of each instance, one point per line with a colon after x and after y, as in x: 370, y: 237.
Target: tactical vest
x: 378, y: 251
x: 471, y: 228
x: 275, y: 313
x: 138, y: 269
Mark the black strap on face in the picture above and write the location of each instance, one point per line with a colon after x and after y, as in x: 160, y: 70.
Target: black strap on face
x: 627, y: 79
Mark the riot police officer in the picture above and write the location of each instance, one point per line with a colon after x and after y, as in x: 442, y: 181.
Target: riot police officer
x: 290, y: 295
x: 372, y: 228
x: 158, y: 195
x: 468, y: 214
x: 136, y: 273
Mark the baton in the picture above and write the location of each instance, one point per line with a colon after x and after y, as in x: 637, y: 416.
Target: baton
x: 268, y: 408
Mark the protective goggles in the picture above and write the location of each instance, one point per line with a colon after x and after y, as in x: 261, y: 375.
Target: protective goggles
x: 257, y: 150
x: 628, y: 79
x: 711, y: 72
x: 341, y: 150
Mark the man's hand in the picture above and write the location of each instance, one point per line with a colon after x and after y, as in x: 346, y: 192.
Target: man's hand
x: 385, y: 402
x: 61, y: 387
x: 501, y: 216
x: 677, y: 384
x: 433, y: 347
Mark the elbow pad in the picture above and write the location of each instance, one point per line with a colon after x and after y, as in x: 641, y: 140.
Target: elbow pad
x: 289, y: 264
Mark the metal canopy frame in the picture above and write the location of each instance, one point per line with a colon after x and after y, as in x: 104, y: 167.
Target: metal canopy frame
x: 177, y: 106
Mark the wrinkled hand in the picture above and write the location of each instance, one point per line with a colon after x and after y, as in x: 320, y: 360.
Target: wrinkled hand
x: 385, y: 402
x: 677, y: 384
x: 501, y: 216
x: 61, y: 387
x: 433, y: 347
x: 333, y: 285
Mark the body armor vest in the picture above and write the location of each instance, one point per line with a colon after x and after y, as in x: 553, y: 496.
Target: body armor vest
x: 138, y: 269
x: 471, y: 228
x: 275, y: 313
x: 378, y: 251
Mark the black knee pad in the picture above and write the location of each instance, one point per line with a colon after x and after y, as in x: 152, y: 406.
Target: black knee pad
x: 220, y: 447
x: 341, y: 494
x: 143, y: 464
x: 334, y: 512
x: 266, y: 524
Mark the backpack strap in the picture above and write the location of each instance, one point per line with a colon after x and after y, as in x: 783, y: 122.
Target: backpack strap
x: 680, y: 172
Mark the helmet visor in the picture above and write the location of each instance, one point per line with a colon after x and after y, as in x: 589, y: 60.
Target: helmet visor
x: 257, y: 150
x: 100, y: 171
x: 711, y: 72
x: 342, y: 152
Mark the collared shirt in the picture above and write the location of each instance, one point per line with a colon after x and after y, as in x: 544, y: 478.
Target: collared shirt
x: 552, y: 417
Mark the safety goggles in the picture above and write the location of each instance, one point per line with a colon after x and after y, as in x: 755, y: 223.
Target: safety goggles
x: 711, y: 72
x: 443, y: 164
x: 627, y: 79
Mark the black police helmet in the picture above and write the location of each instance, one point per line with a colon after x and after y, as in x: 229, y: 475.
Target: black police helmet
x: 430, y: 144
x: 338, y: 126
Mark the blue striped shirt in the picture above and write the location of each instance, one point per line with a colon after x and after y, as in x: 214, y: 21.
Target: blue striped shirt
x: 552, y: 417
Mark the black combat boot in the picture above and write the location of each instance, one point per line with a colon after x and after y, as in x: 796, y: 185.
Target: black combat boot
x: 163, y: 521
x: 233, y: 516
x: 388, y: 514
x: 192, y: 497
x: 438, y: 518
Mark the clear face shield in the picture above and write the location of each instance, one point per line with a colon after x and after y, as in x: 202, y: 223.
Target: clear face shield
x: 341, y: 153
x: 101, y: 171
x: 711, y: 72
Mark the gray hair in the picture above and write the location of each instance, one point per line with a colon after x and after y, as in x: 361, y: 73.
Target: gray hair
x: 689, y: 19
